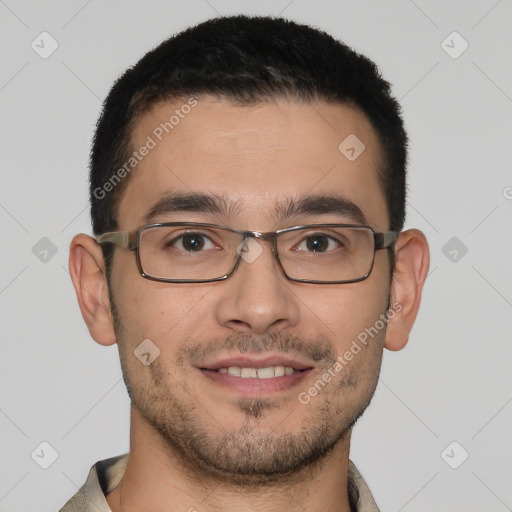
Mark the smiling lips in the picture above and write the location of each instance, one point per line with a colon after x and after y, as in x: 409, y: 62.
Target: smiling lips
x: 257, y: 373
x: 248, y: 367
x: 248, y: 376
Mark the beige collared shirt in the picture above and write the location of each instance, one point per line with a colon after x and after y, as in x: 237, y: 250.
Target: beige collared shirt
x: 106, y: 474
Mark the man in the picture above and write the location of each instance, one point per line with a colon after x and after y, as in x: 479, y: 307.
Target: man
x: 248, y: 199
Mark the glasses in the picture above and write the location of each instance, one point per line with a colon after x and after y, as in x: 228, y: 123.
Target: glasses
x: 191, y: 252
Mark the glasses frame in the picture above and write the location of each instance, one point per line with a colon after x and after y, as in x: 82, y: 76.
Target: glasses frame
x: 131, y: 240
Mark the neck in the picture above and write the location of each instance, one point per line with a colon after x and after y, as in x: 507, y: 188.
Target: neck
x: 159, y: 479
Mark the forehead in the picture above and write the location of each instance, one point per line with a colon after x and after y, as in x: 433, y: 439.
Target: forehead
x: 257, y: 158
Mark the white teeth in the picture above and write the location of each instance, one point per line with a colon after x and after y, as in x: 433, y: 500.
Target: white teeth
x: 259, y: 373
x: 266, y: 373
x: 279, y: 371
x: 234, y: 370
x: 248, y: 372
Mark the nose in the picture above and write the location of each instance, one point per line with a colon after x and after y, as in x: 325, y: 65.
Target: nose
x: 257, y: 298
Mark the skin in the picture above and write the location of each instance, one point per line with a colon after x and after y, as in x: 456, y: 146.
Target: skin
x: 194, y: 444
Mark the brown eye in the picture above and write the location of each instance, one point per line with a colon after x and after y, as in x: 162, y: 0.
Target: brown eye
x: 317, y: 243
x: 192, y: 242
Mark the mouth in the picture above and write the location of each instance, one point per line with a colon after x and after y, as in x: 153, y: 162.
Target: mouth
x: 248, y: 376
x: 258, y: 373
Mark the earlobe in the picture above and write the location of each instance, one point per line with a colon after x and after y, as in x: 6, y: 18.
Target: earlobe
x: 87, y: 270
x: 412, y: 262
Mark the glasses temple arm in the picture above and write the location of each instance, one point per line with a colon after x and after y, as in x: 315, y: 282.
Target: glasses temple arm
x: 121, y: 238
x: 384, y: 240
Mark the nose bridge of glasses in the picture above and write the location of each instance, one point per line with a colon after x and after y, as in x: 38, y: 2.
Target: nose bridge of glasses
x: 250, y: 251
x: 260, y: 235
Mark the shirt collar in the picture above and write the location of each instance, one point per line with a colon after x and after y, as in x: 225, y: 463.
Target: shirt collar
x: 106, y: 474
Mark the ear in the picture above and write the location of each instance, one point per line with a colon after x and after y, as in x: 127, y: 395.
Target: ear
x: 87, y: 269
x: 412, y: 261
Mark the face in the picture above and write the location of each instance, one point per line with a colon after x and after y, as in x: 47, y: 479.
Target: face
x: 260, y: 160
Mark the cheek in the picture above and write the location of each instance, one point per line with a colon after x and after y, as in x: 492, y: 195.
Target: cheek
x: 358, y: 333
x: 349, y: 311
x: 164, y: 313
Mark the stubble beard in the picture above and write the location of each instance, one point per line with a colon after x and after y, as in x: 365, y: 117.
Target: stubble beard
x: 248, y: 456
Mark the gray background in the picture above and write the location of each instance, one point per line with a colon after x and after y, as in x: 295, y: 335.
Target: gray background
x: 451, y: 383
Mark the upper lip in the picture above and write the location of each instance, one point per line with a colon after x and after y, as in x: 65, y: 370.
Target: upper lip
x: 254, y: 362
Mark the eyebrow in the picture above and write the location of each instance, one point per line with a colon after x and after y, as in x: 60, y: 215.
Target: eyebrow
x: 218, y: 205
x: 213, y: 204
x: 321, y: 205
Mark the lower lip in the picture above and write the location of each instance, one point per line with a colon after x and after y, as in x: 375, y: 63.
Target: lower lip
x: 254, y: 386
